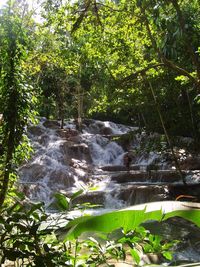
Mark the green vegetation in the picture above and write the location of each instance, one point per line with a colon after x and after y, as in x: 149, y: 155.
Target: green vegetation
x: 134, y: 62
x: 30, y: 237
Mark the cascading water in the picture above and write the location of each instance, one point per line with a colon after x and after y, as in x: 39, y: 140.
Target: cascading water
x: 66, y: 160
x: 60, y: 162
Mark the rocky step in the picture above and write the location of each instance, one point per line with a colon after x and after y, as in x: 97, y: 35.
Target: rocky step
x: 113, y: 168
x: 94, y: 198
x: 160, y: 176
x: 127, y: 195
x: 189, y: 192
x: 138, y: 194
x: 133, y: 167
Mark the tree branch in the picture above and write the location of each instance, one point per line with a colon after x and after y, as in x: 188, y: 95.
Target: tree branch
x: 134, y: 75
x: 166, y: 63
x: 188, y: 41
x: 81, y: 17
x: 161, y: 56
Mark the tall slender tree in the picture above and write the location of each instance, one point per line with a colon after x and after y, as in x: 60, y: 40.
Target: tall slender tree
x: 16, y: 99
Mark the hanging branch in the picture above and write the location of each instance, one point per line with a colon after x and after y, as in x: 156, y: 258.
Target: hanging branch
x: 188, y: 41
x: 134, y: 75
x: 109, y: 7
x: 110, y: 72
x: 192, y: 117
x: 161, y: 56
x: 97, y: 14
x: 176, y: 162
x: 81, y: 17
x: 172, y: 65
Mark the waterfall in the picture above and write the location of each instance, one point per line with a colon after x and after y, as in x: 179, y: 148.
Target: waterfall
x: 67, y: 160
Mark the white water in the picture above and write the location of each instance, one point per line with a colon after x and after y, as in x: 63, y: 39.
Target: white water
x: 103, y: 151
x: 54, y: 167
x: 67, y: 164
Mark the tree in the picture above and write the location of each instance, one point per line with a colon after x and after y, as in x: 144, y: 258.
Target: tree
x: 16, y: 95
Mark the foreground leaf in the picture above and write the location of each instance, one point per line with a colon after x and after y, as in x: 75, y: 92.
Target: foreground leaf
x: 132, y: 217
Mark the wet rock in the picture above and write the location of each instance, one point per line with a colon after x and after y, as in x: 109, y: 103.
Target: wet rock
x: 64, y: 149
x: 69, y: 134
x: 60, y: 178
x: 184, y: 192
x: 97, y: 198
x: 164, y: 176
x: 61, y: 133
x: 190, y: 163
x: 106, y: 131
x: 80, y: 164
x: 95, y: 127
x: 75, y: 139
x: 129, y: 177
x: 43, y: 140
x: 87, y: 122
x: 137, y: 194
x: 51, y: 124
x: 80, y: 151
x: 36, y: 130
x: 153, y: 258
x: 74, y: 132
x: 33, y: 172
x: 100, y: 124
x: 115, y: 168
x: 71, y: 150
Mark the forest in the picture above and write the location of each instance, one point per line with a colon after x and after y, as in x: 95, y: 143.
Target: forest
x: 130, y: 62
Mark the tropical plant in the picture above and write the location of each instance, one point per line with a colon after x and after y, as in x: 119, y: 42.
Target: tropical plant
x: 31, y: 237
x: 16, y: 97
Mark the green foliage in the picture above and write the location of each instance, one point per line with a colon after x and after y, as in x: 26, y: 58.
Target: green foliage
x: 102, y: 54
x: 66, y: 203
x: 23, y: 237
x: 109, y: 51
x: 30, y: 236
x: 130, y: 218
x: 17, y: 100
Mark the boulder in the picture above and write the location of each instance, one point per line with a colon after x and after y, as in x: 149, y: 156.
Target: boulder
x: 43, y: 140
x: 61, y: 178
x: 33, y: 172
x: 61, y: 133
x: 75, y: 139
x: 36, y: 130
x: 137, y: 194
x: 115, y: 168
x: 69, y: 134
x: 97, y: 198
x: 52, y: 124
x: 190, y: 163
x: 80, y: 151
x: 162, y: 176
x: 106, y: 131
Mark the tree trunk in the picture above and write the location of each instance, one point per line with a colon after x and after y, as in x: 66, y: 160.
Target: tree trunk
x: 8, y: 168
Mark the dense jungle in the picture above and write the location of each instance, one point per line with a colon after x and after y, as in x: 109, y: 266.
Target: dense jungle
x: 99, y: 133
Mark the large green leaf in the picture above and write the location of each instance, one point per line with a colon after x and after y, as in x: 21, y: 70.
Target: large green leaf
x: 132, y: 217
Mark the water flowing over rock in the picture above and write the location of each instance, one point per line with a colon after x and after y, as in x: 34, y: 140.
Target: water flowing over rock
x: 66, y: 160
